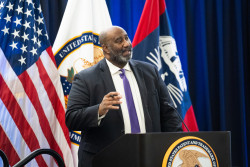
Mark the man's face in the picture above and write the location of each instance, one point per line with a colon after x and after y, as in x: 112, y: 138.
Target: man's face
x: 119, y: 46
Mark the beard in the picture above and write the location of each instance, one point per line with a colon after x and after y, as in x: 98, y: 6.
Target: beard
x: 119, y: 58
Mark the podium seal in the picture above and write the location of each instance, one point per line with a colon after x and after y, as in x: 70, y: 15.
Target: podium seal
x: 190, y: 151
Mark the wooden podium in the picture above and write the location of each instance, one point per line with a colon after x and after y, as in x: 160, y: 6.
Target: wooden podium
x: 167, y: 149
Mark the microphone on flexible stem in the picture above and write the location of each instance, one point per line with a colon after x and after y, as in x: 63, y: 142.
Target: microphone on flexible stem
x: 167, y: 104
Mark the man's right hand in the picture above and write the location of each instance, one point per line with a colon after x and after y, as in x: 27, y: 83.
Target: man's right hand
x: 108, y: 103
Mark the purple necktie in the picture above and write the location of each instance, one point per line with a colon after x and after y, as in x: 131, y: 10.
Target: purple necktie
x: 135, y: 128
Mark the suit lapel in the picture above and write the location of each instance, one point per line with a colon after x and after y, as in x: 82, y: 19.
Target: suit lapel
x: 138, y: 72
x: 106, y: 77
x: 107, y: 80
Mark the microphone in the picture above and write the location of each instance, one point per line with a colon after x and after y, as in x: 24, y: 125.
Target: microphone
x: 167, y: 104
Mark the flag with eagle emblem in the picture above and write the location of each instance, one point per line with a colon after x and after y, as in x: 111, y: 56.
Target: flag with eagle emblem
x: 154, y: 42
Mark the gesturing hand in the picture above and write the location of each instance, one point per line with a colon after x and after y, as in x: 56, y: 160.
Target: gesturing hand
x: 108, y: 102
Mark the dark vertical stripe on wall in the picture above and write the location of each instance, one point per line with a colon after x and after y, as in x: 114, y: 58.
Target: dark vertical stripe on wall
x: 234, y: 98
x: 220, y: 56
x: 53, y: 12
x: 239, y: 34
x: 213, y: 63
x: 198, y: 64
x: 246, y: 51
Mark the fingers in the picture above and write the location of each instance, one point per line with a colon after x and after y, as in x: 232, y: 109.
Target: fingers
x: 110, y: 102
x: 114, y: 95
x: 111, y: 99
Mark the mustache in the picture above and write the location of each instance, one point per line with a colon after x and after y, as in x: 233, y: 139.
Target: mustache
x: 128, y: 49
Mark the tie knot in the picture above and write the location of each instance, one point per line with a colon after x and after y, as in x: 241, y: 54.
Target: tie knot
x: 123, y: 73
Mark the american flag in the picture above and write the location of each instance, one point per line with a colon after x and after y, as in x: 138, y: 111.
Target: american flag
x: 31, y: 99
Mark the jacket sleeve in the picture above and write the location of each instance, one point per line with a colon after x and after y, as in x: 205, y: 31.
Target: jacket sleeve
x: 79, y: 114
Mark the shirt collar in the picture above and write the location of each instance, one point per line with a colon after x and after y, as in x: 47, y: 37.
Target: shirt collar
x: 114, y: 69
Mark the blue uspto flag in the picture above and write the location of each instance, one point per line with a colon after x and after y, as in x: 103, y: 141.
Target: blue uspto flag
x: 154, y: 43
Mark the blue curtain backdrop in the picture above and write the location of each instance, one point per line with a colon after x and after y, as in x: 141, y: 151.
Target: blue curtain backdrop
x: 212, y: 38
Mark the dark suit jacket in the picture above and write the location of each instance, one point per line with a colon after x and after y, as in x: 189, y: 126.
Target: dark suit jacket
x: 88, y: 89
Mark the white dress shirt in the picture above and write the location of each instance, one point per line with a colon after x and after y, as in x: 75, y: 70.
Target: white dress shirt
x: 118, y: 82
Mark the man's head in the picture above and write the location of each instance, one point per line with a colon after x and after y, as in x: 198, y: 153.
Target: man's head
x: 116, y: 45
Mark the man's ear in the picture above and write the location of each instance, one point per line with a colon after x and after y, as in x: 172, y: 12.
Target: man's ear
x: 105, y: 49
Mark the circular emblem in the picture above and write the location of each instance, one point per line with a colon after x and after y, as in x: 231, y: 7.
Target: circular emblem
x: 190, y: 151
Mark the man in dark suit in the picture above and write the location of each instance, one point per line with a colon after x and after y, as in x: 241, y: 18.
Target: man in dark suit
x: 98, y: 104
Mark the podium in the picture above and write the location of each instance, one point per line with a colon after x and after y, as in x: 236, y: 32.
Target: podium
x: 167, y: 149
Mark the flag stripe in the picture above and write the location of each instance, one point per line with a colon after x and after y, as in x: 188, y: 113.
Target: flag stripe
x: 46, y: 103
x: 51, y: 55
x: 190, y: 120
x: 149, y: 13
x: 15, y: 138
x: 8, y: 148
x: 20, y: 120
x: 44, y: 124
x: 48, y: 63
x: 28, y: 110
x: 52, y: 78
x: 51, y: 68
x: 56, y: 103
